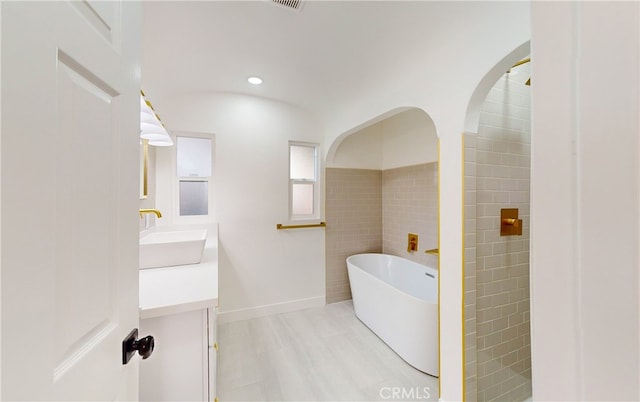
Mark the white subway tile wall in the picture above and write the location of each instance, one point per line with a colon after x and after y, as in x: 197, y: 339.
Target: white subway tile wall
x: 497, y: 172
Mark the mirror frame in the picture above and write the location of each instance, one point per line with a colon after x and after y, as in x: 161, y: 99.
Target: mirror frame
x: 144, y: 166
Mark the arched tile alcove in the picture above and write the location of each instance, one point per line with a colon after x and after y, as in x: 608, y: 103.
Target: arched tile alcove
x: 381, y: 184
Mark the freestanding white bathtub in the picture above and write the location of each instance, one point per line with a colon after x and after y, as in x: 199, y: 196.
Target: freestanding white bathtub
x: 398, y: 300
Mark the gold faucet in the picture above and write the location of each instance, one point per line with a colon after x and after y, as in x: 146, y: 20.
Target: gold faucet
x: 150, y: 211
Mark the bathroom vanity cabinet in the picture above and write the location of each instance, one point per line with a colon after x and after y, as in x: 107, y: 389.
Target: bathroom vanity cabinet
x: 178, y: 307
x: 183, y: 365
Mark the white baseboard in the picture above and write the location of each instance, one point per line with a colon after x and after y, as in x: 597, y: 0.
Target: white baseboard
x: 269, y: 309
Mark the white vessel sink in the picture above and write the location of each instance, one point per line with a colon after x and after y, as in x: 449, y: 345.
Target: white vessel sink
x: 170, y: 248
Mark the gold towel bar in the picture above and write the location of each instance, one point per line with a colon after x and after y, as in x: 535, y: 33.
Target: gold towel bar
x: 433, y: 251
x: 280, y: 226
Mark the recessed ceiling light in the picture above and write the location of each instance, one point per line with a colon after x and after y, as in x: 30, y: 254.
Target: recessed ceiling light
x: 255, y: 80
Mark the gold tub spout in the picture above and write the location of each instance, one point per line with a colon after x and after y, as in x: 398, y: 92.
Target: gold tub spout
x: 150, y: 211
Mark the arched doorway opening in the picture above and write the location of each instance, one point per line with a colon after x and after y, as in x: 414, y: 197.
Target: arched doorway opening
x: 496, y: 270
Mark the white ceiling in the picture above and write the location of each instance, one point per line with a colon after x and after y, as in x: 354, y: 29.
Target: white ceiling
x: 322, y: 58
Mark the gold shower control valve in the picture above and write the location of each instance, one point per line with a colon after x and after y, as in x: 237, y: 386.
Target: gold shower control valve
x: 510, y: 225
x: 412, y: 242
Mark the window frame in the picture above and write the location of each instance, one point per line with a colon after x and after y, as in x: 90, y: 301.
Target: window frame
x: 315, y: 215
x: 186, y: 219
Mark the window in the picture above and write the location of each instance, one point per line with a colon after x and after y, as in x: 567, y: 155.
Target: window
x: 193, y: 163
x: 303, y: 181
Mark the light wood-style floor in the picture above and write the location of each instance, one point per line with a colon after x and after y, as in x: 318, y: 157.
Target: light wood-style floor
x: 319, y: 354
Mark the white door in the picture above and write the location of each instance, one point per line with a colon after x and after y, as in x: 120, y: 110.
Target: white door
x: 69, y: 199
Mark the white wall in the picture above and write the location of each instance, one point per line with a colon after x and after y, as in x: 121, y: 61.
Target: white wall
x: 360, y: 150
x: 405, y: 139
x: 409, y: 139
x: 262, y: 270
x: 584, y: 218
x: 450, y: 73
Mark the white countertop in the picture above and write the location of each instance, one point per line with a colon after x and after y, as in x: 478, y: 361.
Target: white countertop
x: 178, y: 289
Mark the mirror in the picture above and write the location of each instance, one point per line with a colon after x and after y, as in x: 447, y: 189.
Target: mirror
x: 144, y: 162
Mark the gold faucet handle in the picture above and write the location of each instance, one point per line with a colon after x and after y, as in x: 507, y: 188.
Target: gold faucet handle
x: 150, y: 211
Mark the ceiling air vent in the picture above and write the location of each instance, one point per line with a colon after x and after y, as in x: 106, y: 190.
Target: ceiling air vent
x: 290, y: 4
